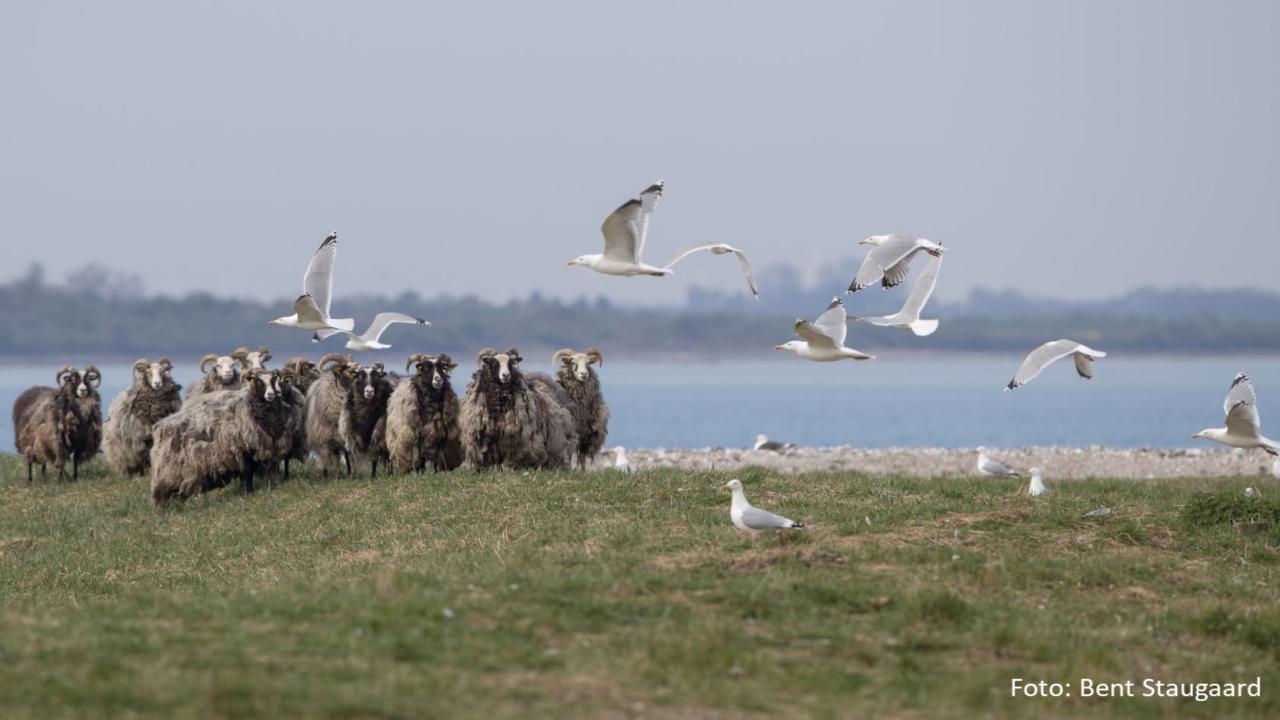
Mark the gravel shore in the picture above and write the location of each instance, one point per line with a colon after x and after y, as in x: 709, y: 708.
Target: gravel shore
x: 1056, y: 462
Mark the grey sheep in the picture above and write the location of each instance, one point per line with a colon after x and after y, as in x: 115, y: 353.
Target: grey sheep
x: 222, y: 436
x: 510, y: 419
x: 422, y: 417
x: 126, y: 435
x: 54, y: 425
x: 362, y: 422
x: 586, y: 400
x: 223, y: 375
x: 325, y: 398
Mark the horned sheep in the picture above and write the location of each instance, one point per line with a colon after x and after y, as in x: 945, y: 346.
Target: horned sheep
x: 54, y: 425
x: 325, y: 399
x: 221, y: 436
x: 512, y: 419
x: 152, y: 397
x: 223, y: 375
x: 422, y: 417
x: 362, y: 422
x: 586, y: 401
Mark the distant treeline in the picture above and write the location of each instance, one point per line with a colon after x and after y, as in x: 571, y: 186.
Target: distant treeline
x: 96, y: 313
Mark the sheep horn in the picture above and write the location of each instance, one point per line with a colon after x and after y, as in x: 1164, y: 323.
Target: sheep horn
x: 263, y: 353
x: 446, y: 361
x: 562, y: 353
x: 515, y: 354
x: 211, y: 357
x: 414, y: 358
x: 594, y: 354
x: 332, y: 357
x: 487, y: 352
x: 240, y: 353
x: 66, y: 370
x: 166, y: 362
x: 141, y: 364
x: 91, y: 372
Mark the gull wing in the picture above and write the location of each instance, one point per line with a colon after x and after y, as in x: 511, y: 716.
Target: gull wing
x: 1241, y: 407
x: 625, y: 228
x: 305, y: 307
x: 1084, y: 365
x: 318, y: 280
x: 720, y: 249
x: 995, y: 467
x: 757, y: 519
x: 832, y: 322
x: 382, y: 321
x: 1040, y: 358
x: 813, y: 334
x: 921, y: 291
x: 883, y: 258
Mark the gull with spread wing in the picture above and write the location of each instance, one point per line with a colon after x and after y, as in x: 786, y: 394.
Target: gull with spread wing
x: 908, y: 318
x: 625, y: 231
x: 889, y: 261
x: 370, y: 339
x: 824, y: 338
x: 1051, y: 352
x: 1244, y: 426
x: 311, y: 309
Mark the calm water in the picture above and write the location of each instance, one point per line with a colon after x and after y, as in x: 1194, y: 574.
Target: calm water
x: 935, y: 402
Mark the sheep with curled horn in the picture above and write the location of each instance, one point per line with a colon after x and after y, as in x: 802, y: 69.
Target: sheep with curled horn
x: 581, y: 384
x: 304, y: 372
x: 514, y: 419
x: 222, y: 436
x: 325, y: 398
x: 126, y: 435
x: 362, y: 422
x: 54, y: 425
x: 252, y: 359
x: 220, y: 372
x: 422, y: 417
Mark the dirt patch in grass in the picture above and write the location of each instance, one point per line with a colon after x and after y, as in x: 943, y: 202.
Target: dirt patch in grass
x: 805, y: 556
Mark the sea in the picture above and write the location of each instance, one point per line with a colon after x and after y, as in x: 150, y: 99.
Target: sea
x: 938, y: 401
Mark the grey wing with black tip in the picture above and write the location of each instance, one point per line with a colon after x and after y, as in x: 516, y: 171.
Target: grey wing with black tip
x: 757, y: 519
x: 626, y: 228
x: 1241, y: 407
x: 318, y: 280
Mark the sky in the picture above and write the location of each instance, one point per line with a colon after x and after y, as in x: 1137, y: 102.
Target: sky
x: 1061, y: 149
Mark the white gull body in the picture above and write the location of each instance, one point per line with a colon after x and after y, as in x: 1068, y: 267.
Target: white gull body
x: 1037, y: 484
x: 824, y: 337
x: 994, y: 468
x: 1051, y: 352
x: 371, y: 338
x: 620, y: 461
x: 311, y: 309
x: 1244, y: 425
x: 908, y: 318
x: 753, y: 519
x: 889, y: 261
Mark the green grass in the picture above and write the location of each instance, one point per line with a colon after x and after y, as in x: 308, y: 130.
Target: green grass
x: 591, y: 594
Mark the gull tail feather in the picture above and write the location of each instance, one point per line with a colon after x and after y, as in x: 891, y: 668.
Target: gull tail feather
x: 924, y: 327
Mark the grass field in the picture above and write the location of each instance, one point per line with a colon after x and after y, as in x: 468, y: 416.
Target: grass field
x: 595, y: 595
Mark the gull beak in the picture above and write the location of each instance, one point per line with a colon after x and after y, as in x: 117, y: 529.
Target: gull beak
x: 724, y: 487
x: 777, y: 347
x: 573, y: 262
x: 863, y: 242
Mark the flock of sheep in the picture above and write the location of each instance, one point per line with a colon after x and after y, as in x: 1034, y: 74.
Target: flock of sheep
x: 241, y: 418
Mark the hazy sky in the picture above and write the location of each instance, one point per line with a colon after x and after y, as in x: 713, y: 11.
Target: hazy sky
x: 1060, y: 148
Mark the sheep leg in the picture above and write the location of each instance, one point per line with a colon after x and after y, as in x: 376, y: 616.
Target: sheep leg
x: 347, y: 457
x: 247, y: 478
x: 44, y: 471
x: 75, y: 467
x: 373, y: 468
x: 286, y: 468
x: 29, y: 479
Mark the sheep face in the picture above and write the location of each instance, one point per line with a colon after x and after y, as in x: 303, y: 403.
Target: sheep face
x: 152, y: 374
x: 439, y: 369
x: 225, y: 370
x: 364, y: 380
x: 267, y: 385
x: 502, y: 366
x: 79, y: 384
x: 579, y: 362
x: 252, y: 359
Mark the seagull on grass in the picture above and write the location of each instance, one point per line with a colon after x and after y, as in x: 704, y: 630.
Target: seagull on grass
x: 625, y: 231
x: 994, y: 468
x: 311, y: 309
x: 824, y: 337
x: 1244, y: 425
x: 753, y: 519
x: 1037, y: 484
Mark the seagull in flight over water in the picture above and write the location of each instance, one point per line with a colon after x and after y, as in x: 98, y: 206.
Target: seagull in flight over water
x: 824, y: 338
x: 889, y: 261
x: 1244, y: 425
x: 625, y: 231
x: 370, y: 339
x: 311, y: 309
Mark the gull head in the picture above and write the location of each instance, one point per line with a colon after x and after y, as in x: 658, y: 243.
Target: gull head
x: 873, y: 240
x: 792, y: 345
x: 732, y: 486
x: 584, y: 260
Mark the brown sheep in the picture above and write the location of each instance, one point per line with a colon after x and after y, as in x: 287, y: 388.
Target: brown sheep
x: 55, y: 425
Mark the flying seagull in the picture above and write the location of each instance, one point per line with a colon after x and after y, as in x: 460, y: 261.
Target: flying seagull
x: 764, y: 443
x: 1037, y: 484
x: 624, y: 234
x: 889, y: 261
x: 994, y: 468
x: 1051, y: 352
x: 369, y: 339
x: 311, y: 309
x: 908, y: 318
x: 824, y: 338
x: 1244, y: 427
x: 753, y: 519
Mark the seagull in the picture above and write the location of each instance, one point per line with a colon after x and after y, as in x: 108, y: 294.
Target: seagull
x: 764, y: 443
x: 1243, y: 428
x: 1251, y: 493
x: 311, y: 309
x: 752, y: 519
x: 1037, y: 484
x: 620, y: 461
x: 369, y: 340
x: 908, y: 318
x: 890, y: 260
x: 1051, y: 352
x: 624, y: 234
x: 994, y: 468
x: 824, y: 338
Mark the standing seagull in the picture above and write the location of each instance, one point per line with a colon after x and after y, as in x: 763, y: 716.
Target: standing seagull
x: 994, y: 468
x: 908, y: 318
x: 824, y: 338
x: 1037, y: 484
x: 381, y: 321
x: 620, y: 461
x: 890, y: 260
x: 624, y: 234
x: 753, y: 519
x: 1051, y: 352
x: 311, y: 309
x: 1244, y: 427
x: 764, y: 443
